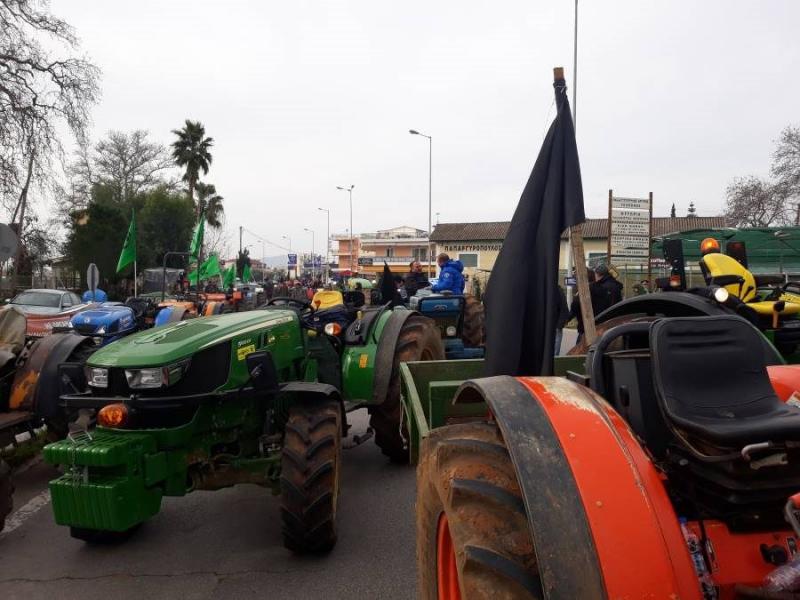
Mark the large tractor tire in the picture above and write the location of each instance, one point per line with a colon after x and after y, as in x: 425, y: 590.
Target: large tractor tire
x: 472, y: 532
x: 473, y: 330
x: 419, y: 339
x: 58, y: 426
x: 6, y: 493
x: 310, y: 472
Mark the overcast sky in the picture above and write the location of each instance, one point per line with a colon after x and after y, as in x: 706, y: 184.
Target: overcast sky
x: 675, y: 97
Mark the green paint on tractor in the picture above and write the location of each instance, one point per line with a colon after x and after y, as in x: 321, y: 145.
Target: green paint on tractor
x: 257, y: 397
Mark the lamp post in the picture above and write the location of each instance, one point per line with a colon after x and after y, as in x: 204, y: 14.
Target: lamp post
x: 430, y: 196
x: 286, y: 237
x: 327, y: 245
x: 349, y: 190
x: 311, y: 231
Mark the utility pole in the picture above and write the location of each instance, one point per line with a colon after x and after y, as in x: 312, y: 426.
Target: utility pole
x: 349, y: 190
x: 430, y: 195
x: 327, y: 245
x: 240, y: 239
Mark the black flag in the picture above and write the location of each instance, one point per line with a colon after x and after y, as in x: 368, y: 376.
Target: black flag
x: 388, y: 289
x: 520, y: 309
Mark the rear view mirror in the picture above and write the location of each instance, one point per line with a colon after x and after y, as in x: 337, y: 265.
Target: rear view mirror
x: 263, y: 374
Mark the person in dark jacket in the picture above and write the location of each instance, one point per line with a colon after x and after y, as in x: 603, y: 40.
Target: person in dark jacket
x: 575, y: 308
x: 609, y: 289
x: 451, y: 278
x: 562, y: 319
x: 416, y: 279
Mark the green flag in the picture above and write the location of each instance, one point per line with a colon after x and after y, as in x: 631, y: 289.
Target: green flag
x: 128, y: 254
x: 246, y: 274
x: 197, y: 238
x: 230, y: 277
x: 210, y: 267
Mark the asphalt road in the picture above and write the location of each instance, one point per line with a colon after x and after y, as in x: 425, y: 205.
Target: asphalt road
x: 221, y: 545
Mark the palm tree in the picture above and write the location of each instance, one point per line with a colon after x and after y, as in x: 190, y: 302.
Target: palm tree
x: 191, y: 151
x: 211, y: 202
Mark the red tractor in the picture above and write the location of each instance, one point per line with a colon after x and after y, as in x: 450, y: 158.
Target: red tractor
x: 669, y: 467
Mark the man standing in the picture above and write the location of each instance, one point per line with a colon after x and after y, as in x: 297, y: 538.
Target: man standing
x: 416, y: 279
x: 450, y: 276
x: 609, y: 290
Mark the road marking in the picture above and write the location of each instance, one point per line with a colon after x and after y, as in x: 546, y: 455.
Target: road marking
x: 26, y: 511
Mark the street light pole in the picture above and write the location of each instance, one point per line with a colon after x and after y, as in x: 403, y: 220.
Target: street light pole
x: 430, y: 195
x: 349, y: 190
x: 313, y: 271
x: 286, y: 237
x: 327, y: 245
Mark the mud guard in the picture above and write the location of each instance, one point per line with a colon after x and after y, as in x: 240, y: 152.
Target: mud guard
x: 321, y: 390
x: 595, y: 503
x: 669, y: 304
x: 36, y: 385
x: 169, y: 314
x: 384, y: 356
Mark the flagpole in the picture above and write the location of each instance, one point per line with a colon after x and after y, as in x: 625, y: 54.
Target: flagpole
x: 135, y: 294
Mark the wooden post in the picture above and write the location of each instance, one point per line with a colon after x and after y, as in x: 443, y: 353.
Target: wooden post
x: 579, y: 257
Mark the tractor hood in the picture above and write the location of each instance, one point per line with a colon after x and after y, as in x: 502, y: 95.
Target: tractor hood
x: 167, y: 344
x: 110, y: 318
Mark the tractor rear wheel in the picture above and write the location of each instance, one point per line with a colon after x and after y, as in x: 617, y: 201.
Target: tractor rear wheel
x: 472, y: 531
x: 472, y: 329
x: 6, y: 493
x: 419, y: 339
x: 310, y: 471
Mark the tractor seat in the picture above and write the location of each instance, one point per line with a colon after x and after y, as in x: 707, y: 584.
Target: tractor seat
x: 712, y: 383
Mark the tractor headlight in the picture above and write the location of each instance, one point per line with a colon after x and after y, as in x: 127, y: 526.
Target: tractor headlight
x: 450, y: 331
x: 144, y: 378
x: 97, y: 377
x: 156, y: 377
x: 721, y: 295
x: 101, y: 330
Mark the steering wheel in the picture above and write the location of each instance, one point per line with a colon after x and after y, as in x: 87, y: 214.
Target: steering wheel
x: 290, y: 302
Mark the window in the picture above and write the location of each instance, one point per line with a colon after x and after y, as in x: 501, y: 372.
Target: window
x: 420, y: 254
x: 389, y: 252
x: 75, y: 298
x: 469, y: 260
x: 65, y: 301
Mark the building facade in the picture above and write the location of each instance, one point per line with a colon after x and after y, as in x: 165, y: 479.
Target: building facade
x: 477, y: 245
x: 396, y: 247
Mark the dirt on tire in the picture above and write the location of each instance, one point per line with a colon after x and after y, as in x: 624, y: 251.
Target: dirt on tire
x: 473, y: 329
x: 310, y: 471
x: 419, y: 339
x: 466, y: 474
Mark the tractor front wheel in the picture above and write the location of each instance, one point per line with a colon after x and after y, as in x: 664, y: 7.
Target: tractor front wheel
x: 472, y: 531
x: 310, y: 468
x: 472, y: 329
x: 6, y: 493
x: 419, y: 339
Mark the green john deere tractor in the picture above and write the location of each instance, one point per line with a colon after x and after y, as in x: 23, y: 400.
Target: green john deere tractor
x: 257, y: 397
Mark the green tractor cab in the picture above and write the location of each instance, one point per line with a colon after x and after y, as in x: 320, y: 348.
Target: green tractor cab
x: 257, y: 397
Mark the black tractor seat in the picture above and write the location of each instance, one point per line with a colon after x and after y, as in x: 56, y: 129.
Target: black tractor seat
x: 711, y: 381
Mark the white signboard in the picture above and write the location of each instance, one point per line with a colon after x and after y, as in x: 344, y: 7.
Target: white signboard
x: 629, y: 231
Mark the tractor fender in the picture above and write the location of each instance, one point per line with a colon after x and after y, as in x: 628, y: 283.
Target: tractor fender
x: 36, y: 385
x: 593, y: 499
x: 668, y: 304
x: 384, y: 356
x: 169, y: 314
x: 320, y: 391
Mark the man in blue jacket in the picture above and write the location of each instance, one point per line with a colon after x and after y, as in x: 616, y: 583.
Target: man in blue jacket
x: 450, y: 277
